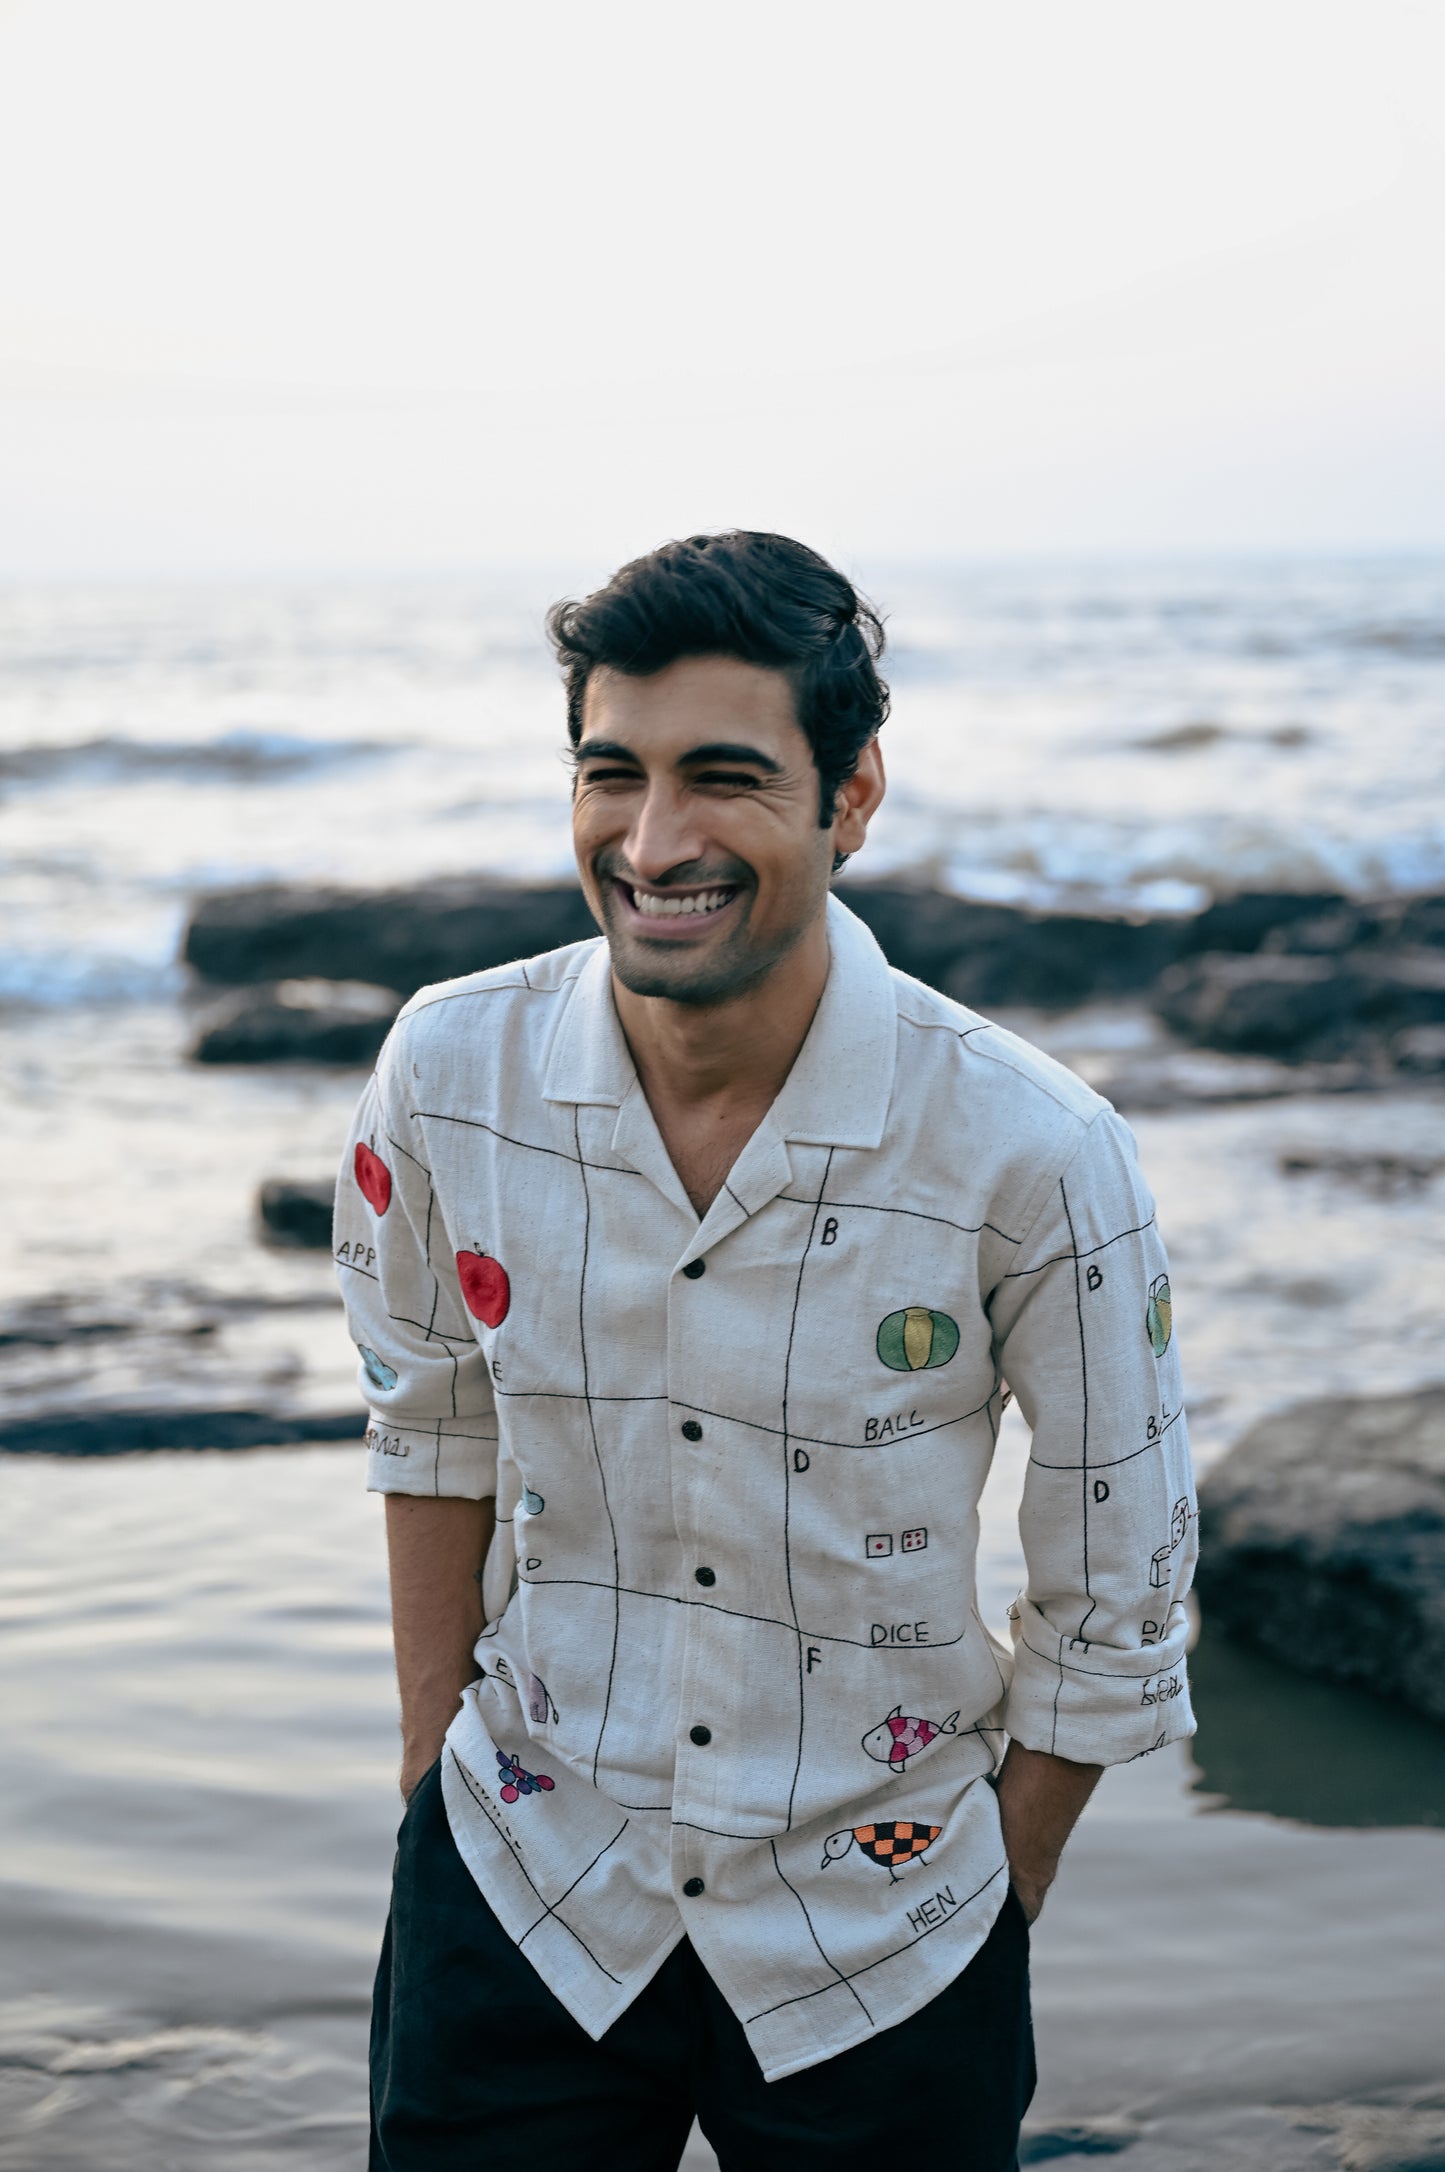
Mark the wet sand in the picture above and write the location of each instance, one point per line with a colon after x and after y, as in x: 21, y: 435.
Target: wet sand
x: 200, y: 1799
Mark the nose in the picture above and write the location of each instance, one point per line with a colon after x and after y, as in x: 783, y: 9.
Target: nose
x: 665, y: 832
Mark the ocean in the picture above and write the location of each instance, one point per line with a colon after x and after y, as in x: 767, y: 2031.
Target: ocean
x: 1136, y: 736
x: 199, y: 1780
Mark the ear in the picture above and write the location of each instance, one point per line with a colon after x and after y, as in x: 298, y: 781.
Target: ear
x: 897, y: 1712
x: 858, y: 799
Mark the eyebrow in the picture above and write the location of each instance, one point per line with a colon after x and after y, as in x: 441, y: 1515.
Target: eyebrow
x: 716, y: 750
x: 726, y: 750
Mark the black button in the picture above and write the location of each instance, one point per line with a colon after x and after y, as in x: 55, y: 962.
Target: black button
x: 700, y: 1735
x: 691, y: 1430
x: 705, y: 1576
x: 694, y: 1268
x: 692, y: 1887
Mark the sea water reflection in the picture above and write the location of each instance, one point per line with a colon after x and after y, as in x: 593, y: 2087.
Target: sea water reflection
x: 1271, y: 1740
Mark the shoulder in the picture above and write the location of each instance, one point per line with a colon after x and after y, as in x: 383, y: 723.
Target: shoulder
x: 968, y: 1052
x: 507, y: 1013
x: 971, y: 1094
x: 549, y: 974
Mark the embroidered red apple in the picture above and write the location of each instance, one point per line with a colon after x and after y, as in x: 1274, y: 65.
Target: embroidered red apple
x: 373, y: 1178
x: 485, y: 1287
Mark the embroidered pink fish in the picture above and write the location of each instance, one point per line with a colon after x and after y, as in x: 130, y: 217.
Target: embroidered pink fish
x: 901, y: 1737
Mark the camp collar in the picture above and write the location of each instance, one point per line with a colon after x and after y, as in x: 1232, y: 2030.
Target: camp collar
x: 838, y: 1090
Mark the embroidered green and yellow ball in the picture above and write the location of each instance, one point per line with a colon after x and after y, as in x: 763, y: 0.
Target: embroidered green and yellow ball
x: 916, y: 1339
x: 1159, y: 1317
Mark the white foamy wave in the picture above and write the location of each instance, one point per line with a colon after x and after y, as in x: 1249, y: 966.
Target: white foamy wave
x: 61, y: 980
x: 1159, y: 868
x: 233, y: 757
x: 1109, y: 739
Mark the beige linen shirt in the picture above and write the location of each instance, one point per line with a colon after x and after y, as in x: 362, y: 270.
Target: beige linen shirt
x: 735, y: 1684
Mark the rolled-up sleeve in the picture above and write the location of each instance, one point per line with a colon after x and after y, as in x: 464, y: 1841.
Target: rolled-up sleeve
x: 433, y: 1427
x: 1084, y: 1335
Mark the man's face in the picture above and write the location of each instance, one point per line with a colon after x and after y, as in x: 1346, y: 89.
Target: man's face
x: 695, y: 821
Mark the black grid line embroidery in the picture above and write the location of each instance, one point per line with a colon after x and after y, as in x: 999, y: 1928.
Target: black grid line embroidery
x: 812, y: 1933
x: 468, y: 995
x: 1020, y: 1274
x: 548, y: 1909
x: 1084, y: 1400
x: 734, y: 1613
x: 596, y: 1448
x: 914, y: 1214
x: 788, y: 1477
x: 571, y: 1889
x: 1110, y: 1463
x: 756, y: 1425
x: 528, y: 1146
x: 1102, y: 1674
x: 392, y: 1140
x: 891, y: 1955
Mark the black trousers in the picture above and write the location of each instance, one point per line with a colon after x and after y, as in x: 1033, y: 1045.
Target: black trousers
x: 475, y: 2064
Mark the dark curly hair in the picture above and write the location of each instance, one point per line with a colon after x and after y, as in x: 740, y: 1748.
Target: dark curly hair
x: 762, y: 598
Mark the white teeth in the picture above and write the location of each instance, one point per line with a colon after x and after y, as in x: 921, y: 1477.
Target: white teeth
x: 669, y: 908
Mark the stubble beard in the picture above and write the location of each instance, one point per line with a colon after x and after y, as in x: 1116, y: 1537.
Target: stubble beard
x: 705, y: 988
x: 706, y: 983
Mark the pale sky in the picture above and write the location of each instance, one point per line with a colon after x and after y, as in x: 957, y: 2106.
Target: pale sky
x: 369, y: 285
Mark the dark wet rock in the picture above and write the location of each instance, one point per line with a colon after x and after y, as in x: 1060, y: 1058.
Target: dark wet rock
x: 299, y: 1021
x: 1076, y: 2138
x: 1307, y: 1004
x: 1322, y: 1541
x: 297, y: 1213
x: 1317, y: 922
x: 981, y: 953
x: 1397, y: 989
x: 1250, y: 1002
x: 1420, y: 1049
x: 1342, y: 924
x: 173, y: 1365
x: 1421, y: 920
x: 1383, y: 1175
x: 403, y: 938
x: 1316, y: 978
x: 1246, y: 922
x: 50, y: 1324
x: 128, y: 1432
x: 1325, y: 934
x: 1191, y: 737
x: 987, y: 955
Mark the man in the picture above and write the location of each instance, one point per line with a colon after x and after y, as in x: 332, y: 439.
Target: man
x: 688, y: 1266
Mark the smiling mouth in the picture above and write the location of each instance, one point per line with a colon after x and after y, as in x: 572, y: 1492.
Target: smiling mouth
x: 693, y: 906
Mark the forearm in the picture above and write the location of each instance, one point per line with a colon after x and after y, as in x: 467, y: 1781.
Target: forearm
x: 435, y: 1549
x: 1039, y: 1798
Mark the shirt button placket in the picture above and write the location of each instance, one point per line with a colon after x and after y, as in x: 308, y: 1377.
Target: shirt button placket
x: 688, y: 1322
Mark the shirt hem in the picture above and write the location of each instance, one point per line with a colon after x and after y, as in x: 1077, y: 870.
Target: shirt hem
x: 990, y: 1911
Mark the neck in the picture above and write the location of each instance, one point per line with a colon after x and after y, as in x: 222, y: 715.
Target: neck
x: 738, y: 1051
